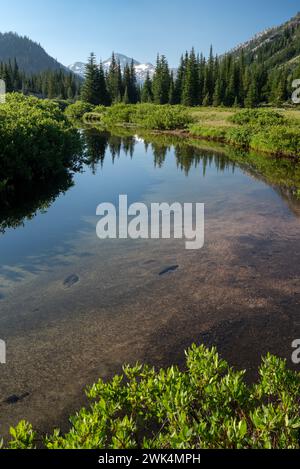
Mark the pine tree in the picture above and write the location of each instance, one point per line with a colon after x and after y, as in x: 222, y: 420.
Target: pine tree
x: 161, y: 81
x: 134, y: 94
x: 172, y: 94
x: 281, y: 89
x: 252, y: 99
x: 190, y: 93
x: 178, y: 87
x: 114, y: 81
x: 209, y: 79
x: 146, y: 94
x: 90, y: 88
x: 217, y: 97
x: 103, y: 95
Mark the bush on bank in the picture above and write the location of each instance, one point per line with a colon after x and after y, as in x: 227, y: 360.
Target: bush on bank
x: 257, y: 129
x: 207, y: 406
x: 36, y: 140
x: 78, y: 109
x: 148, y: 116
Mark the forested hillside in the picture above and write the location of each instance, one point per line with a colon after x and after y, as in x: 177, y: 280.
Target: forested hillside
x: 31, y: 57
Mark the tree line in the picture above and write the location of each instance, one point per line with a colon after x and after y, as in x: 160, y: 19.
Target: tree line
x: 229, y: 80
x: 48, y: 84
x: 114, y: 86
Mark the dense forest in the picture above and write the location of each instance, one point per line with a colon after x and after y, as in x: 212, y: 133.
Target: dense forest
x: 229, y: 80
x: 47, y: 84
x: 258, y: 72
x: 255, y: 73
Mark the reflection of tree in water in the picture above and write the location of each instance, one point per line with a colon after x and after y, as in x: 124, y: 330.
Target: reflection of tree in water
x: 292, y: 200
x: 95, y: 146
x: 188, y: 157
x: 159, y: 154
x: 25, y: 193
x: 25, y: 200
x: 97, y: 143
x: 282, y: 174
x: 129, y: 145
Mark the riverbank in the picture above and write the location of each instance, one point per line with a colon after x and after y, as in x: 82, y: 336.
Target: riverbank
x: 268, y: 130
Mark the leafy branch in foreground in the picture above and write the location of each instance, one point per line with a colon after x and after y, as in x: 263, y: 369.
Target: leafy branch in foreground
x: 207, y: 406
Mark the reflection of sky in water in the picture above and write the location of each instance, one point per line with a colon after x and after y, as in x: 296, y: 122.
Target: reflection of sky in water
x: 47, y: 240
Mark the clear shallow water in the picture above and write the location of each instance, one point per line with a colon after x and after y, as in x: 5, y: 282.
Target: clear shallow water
x: 73, y: 308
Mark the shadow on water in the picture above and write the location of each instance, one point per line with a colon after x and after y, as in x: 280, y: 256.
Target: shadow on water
x: 25, y: 201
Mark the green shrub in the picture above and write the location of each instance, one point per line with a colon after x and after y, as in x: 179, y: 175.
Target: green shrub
x: 118, y: 114
x: 259, y: 117
x: 240, y: 136
x: 78, y: 109
x: 148, y: 116
x: 277, y: 139
x: 100, y: 109
x: 62, y: 103
x: 164, y: 118
x: 207, y: 406
x: 36, y: 140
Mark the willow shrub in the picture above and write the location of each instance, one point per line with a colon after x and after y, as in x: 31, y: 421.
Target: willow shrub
x: 148, y: 116
x: 257, y: 129
x: 36, y: 140
x: 259, y: 117
x: 78, y: 109
x: 207, y: 406
x: 278, y: 139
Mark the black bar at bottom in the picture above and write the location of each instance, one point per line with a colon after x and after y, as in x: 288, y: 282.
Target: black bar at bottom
x: 132, y: 459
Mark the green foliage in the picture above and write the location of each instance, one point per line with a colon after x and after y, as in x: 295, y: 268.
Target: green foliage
x: 207, y: 406
x: 46, y: 84
x: 148, y: 116
x: 240, y: 136
x: 94, y: 90
x: 78, y: 109
x: 162, y: 117
x: 259, y: 117
x: 215, y: 133
x: 257, y: 129
x: 161, y: 81
x: 279, y: 140
x: 36, y: 141
x: 23, y: 436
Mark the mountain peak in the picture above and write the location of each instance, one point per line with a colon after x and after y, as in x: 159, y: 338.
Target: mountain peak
x: 140, y: 68
x: 123, y: 59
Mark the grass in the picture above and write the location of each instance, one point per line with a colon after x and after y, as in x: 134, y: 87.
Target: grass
x: 274, y: 131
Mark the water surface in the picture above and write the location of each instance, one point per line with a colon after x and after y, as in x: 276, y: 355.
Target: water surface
x: 74, y: 308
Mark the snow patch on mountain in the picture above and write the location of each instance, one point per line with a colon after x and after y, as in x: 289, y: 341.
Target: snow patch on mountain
x: 140, y: 68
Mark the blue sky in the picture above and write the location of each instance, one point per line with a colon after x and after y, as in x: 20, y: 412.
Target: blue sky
x: 70, y: 29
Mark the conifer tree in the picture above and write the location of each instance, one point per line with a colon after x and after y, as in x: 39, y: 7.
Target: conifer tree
x: 190, y: 92
x: 103, y: 94
x: 146, y: 93
x: 90, y: 89
x: 172, y: 94
x: 161, y: 81
x: 114, y: 80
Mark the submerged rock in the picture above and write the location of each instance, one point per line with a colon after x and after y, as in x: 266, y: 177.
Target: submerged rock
x: 169, y: 270
x: 71, y: 280
x: 14, y: 399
